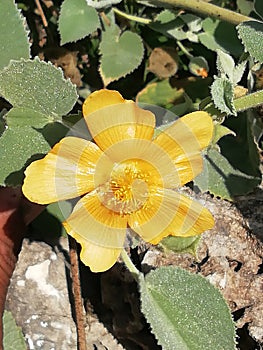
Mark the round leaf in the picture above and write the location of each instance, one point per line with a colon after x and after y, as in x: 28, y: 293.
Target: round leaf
x: 185, y: 311
x: 39, y: 86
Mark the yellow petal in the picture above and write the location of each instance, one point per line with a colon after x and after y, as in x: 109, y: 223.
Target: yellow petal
x: 170, y: 213
x: 117, y: 121
x: 100, y: 99
x: 67, y: 171
x: 183, y: 142
x: 153, y: 163
x: 92, y: 222
x: 98, y: 258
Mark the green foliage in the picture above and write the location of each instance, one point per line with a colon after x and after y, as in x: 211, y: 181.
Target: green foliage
x: 76, y: 20
x: 214, y: 36
x: 13, y: 36
x: 120, y: 53
x: 258, y: 6
x: 19, y: 147
x: 251, y: 34
x: 173, y: 25
x: 39, y: 86
x: 222, y: 92
x: 226, y: 67
x: 232, y: 168
x: 40, y: 96
x: 181, y: 244
x: 185, y: 311
x: 13, y: 337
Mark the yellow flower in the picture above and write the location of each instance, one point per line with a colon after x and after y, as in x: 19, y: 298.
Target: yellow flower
x: 125, y: 179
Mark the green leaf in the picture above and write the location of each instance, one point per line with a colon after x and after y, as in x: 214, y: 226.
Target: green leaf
x: 181, y: 244
x: 170, y: 24
x: 20, y: 116
x: 13, y: 36
x: 258, y: 6
x: 221, y: 179
x: 225, y: 63
x: 251, y: 34
x: 13, y: 337
x: 21, y: 145
x: 185, y: 311
x: 121, y: 55
x: 222, y: 92
x: 220, y: 131
x: 214, y: 36
x: 232, y: 169
x: 16, y: 148
x: 77, y: 19
x: 37, y: 85
x: 245, y: 7
x: 98, y: 4
x: 160, y: 93
x: 226, y: 67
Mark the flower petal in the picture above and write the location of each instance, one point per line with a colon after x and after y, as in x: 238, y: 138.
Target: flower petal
x: 110, y: 123
x: 92, y: 222
x: 170, y: 213
x: 67, y: 171
x: 152, y: 161
x: 183, y: 142
x: 100, y: 99
x: 98, y: 258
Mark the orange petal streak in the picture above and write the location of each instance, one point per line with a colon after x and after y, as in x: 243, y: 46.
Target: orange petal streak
x: 183, y: 142
x: 170, y: 213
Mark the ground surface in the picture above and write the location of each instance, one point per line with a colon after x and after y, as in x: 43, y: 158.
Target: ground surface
x: 230, y: 256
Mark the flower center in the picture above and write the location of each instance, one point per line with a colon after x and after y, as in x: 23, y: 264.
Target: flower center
x: 127, y: 189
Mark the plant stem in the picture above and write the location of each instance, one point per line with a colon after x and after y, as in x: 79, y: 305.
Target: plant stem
x: 129, y: 264
x: 74, y: 264
x: 184, y: 49
x: 249, y: 101
x: 206, y: 9
x: 131, y: 17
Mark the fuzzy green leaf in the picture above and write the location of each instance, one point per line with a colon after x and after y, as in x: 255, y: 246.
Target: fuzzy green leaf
x: 77, y: 19
x: 227, y: 172
x: 225, y: 63
x: 21, y: 145
x: 251, y: 34
x: 37, y: 85
x: 221, y: 179
x: 13, y: 36
x: 222, y: 92
x: 13, y: 337
x: 17, y: 147
x: 121, y: 55
x: 185, y: 311
x: 226, y: 67
x: 20, y: 116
